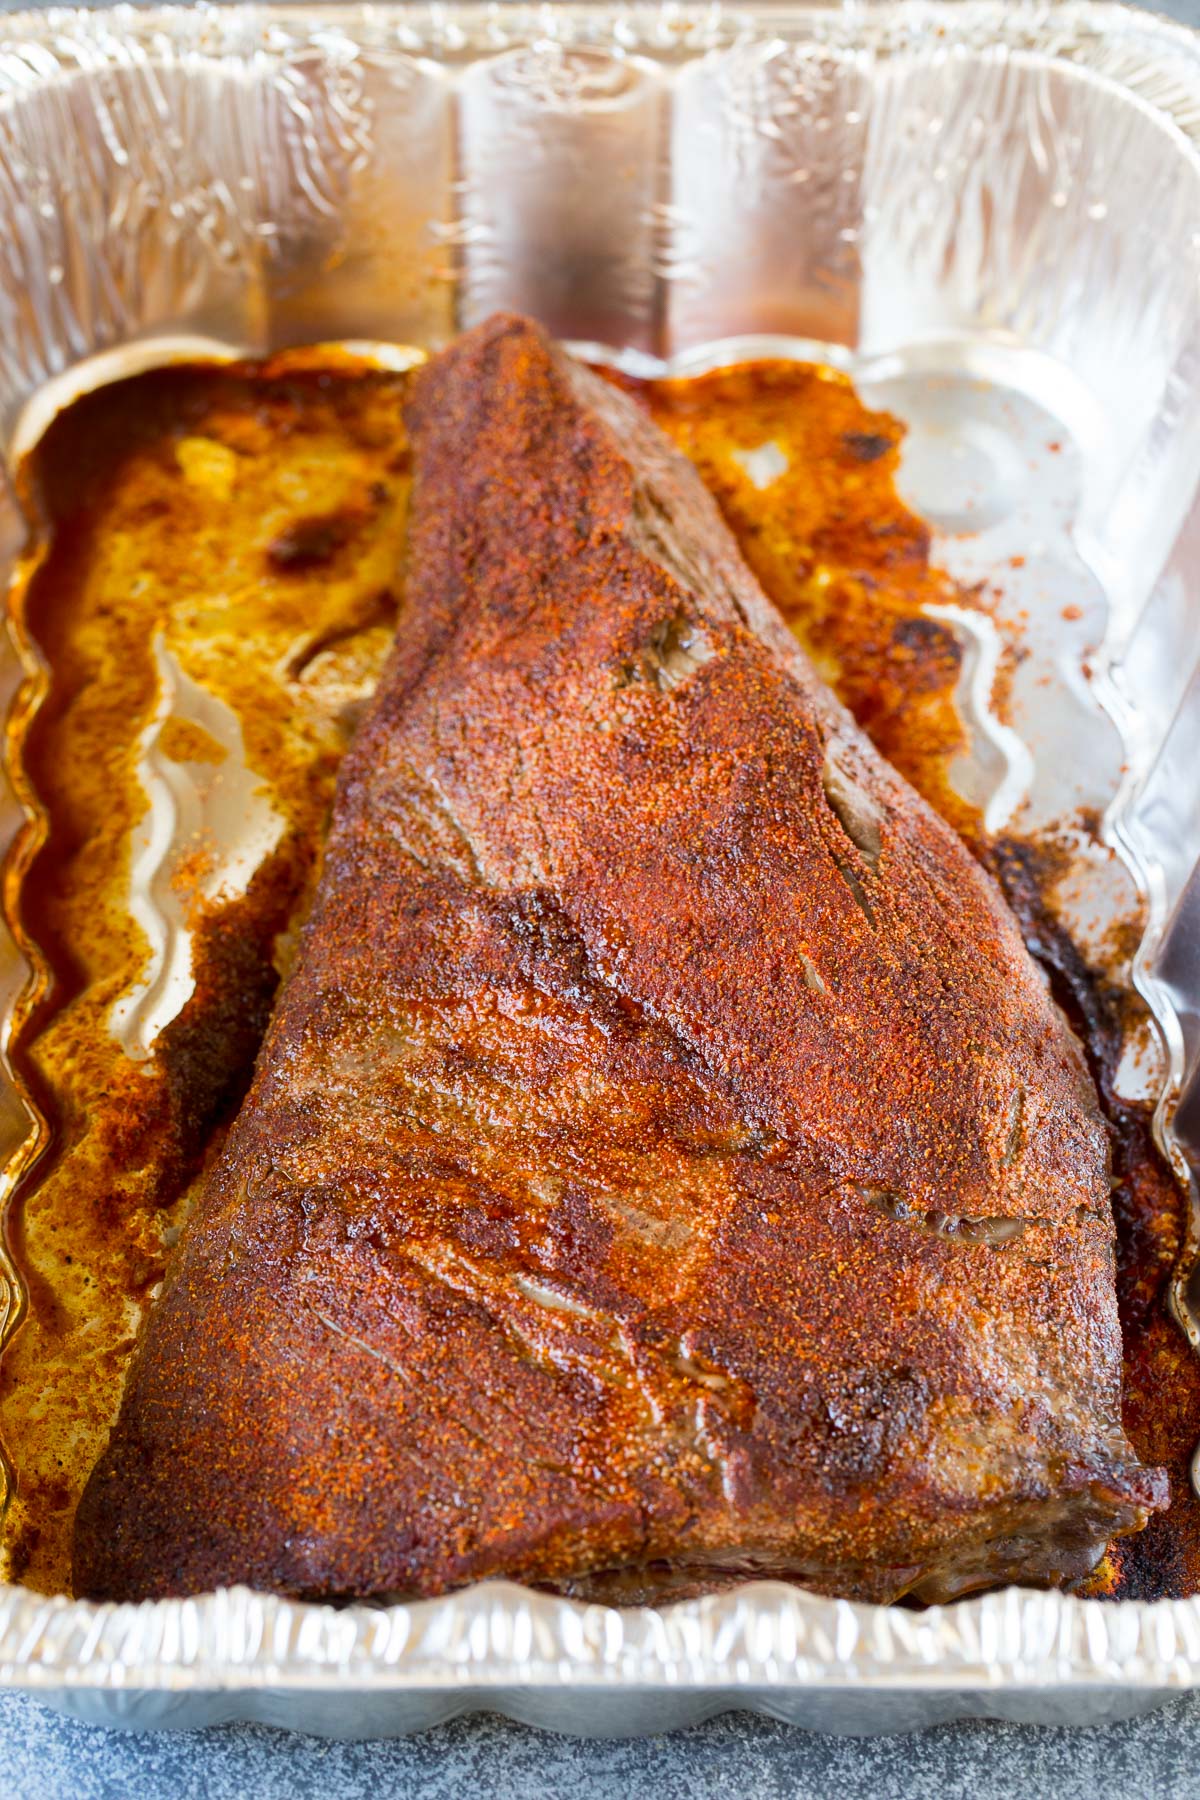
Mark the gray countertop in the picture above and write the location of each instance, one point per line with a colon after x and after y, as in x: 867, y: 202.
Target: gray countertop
x: 43, y: 1757
x: 46, y: 1757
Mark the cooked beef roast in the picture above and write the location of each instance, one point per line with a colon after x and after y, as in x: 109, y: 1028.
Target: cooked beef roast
x: 665, y: 1163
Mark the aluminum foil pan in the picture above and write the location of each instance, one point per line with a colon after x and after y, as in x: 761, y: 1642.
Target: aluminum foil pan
x: 990, y: 213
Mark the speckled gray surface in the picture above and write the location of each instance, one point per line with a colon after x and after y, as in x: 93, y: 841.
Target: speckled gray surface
x: 46, y: 1757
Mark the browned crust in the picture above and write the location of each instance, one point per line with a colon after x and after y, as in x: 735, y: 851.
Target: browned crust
x: 664, y: 1151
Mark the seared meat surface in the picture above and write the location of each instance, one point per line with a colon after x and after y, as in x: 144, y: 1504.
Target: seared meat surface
x: 665, y: 1161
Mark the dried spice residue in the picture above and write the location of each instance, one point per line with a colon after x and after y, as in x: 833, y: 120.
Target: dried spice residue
x: 253, y: 518
x: 248, y: 522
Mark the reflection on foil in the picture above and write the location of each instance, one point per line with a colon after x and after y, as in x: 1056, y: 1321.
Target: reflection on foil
x: 207, y: 829
x: 998, y: 773
x: 764, y: 464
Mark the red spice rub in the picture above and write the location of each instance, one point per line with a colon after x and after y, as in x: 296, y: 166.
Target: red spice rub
x: 664, y: 1160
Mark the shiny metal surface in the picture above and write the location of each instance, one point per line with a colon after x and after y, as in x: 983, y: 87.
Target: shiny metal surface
x: 952, y: 201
